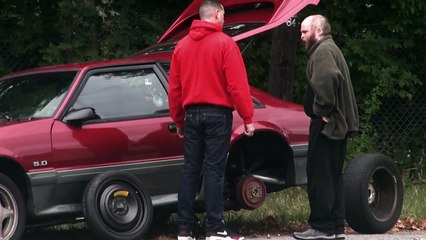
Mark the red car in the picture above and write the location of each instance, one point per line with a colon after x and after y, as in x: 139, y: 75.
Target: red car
x: 96, y: 140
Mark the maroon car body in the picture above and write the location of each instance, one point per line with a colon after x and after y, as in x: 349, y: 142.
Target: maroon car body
x: 96, y: 140
x: 52, y: 153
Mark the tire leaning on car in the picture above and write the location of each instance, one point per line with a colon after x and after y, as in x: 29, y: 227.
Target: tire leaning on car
x: 117, y: 206
x: 12, y: 210
x: 373, y: 193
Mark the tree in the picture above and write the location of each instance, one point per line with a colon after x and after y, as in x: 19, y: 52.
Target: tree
x: 382, y: 41
x: 283, y: 55
x: 36, y: 33
x: 383, y: 45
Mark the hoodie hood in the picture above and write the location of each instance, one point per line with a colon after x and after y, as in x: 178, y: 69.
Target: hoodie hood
x: 199, y: 29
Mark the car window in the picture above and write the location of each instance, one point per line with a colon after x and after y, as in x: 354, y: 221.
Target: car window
x: 35, y: 95
x: 121, y: 94
x: 165, y: 66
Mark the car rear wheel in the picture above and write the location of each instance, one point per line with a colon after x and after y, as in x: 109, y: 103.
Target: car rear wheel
x: 12, y: 210
x: 373, y: 193
x: 251, y: 192
x: 117, y: 206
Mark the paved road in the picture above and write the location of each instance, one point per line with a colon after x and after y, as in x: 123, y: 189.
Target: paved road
x: 85, y: 235
x: 404, y: 235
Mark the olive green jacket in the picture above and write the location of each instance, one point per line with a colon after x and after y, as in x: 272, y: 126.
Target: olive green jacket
x: 334, y: 98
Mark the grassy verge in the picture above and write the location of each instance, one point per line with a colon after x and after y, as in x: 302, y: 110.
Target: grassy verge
x: 288, y: 210
x: 283, y: 212
x: 414, y: 201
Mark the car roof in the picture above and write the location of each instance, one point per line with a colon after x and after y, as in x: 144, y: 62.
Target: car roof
x: 151, y: 58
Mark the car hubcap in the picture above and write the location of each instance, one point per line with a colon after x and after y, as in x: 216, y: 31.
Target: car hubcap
x: 8, y: 210
x: 371, y: 193
x: 120, y: 206
x: 120, y: 209
x: 382, y: 194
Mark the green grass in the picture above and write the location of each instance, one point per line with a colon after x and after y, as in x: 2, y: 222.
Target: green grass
x: 414, y: 201
x: 283, y: 212
x: 288, y: 210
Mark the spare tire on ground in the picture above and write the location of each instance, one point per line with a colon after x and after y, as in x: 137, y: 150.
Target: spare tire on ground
x: 373, y: 193
x: 117, y: 206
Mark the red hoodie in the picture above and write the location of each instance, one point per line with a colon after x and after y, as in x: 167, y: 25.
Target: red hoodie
x: 207, y: 68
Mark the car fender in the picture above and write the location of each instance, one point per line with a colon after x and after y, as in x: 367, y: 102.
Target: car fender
x: 259, y: 126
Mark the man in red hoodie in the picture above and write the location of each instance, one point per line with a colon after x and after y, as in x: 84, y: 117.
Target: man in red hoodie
x: 207, y: 80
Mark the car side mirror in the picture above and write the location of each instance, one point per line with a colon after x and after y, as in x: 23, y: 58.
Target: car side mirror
x: 79, y: 116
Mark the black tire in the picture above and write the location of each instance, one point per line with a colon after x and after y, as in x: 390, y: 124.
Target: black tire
x: 117, y: 206
x: 12, y: 210
x: 373, y: 193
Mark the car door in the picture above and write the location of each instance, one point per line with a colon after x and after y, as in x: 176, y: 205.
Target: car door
x: 132, y: 133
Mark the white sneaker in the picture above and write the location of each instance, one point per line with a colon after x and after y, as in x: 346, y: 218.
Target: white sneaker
x: 184, y: 235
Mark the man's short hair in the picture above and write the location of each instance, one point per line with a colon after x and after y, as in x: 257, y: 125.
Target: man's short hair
x: 207, y: 6
x: 319, y: 21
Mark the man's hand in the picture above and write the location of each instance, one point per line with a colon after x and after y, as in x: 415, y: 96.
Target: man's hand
x: 249, y: 129
x: 179, y: 132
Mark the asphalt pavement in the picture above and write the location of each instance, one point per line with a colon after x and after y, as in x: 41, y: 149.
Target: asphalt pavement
x: 401, y: 235
x: 84, y: 234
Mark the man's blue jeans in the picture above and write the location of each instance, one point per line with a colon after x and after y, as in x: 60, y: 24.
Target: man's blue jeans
x: 207, y: 134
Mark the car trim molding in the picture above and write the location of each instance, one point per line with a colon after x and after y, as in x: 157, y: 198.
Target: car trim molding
x: 300, y: 155
x: 36, y: 176
x: 64, y: 186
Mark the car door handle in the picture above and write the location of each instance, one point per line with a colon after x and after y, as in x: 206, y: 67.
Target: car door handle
x: 172, y: 127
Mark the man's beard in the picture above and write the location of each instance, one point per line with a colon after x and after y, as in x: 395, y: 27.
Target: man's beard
x: 310, y: 43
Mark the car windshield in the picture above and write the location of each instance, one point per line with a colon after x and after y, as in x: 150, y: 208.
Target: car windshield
x: 33, y: 96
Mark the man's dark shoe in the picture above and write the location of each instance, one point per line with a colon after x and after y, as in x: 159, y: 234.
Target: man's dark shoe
x: 313, y: 234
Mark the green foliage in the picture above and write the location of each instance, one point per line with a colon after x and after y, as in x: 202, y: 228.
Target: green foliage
x: 382, y: 43
x: 282, y: 212
x: 414, y: 196
x: 285, y: 211
x: 381, y: 40
x: 288, y: 210
x: 257, y: 59
x: 36, y: 33
x: 105, y: 30
x: 73, y: 43
x: 22, y: 33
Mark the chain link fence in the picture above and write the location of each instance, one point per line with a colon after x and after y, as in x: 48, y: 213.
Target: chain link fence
x: 399, y: 121
x: 400, y: 130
